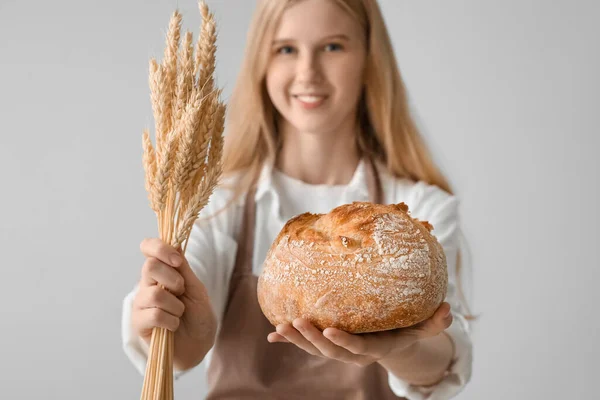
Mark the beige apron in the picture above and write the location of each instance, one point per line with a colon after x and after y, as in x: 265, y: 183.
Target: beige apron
x: 245, y: 365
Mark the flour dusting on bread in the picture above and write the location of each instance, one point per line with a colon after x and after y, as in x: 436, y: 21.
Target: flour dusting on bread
x: 362, y: 267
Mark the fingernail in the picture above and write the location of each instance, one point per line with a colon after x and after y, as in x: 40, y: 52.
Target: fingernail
x: 175, y: 259
x: 448, y: 313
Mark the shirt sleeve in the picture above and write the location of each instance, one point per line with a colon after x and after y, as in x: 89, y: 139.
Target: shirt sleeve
x: 432, y: 204
x: 211, y: 254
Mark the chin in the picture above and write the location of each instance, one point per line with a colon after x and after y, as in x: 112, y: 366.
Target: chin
x: 313, y: 130
x: 313, y: 127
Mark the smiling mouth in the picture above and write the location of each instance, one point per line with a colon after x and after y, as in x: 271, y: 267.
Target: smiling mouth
x: 309, y: 98
x: 310, y: 101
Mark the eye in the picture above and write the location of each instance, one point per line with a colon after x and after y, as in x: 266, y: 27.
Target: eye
x: 334, y: 47
x: 285, y: 50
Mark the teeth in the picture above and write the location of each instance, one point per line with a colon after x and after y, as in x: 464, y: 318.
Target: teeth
x: 310, y: 99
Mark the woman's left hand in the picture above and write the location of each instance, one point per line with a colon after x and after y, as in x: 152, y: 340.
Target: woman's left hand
x: 360, y: 349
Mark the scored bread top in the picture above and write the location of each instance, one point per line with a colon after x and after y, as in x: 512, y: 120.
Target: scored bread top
x: 362, y: 267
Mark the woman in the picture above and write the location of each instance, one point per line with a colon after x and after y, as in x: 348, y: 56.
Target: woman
x: 319, y: 118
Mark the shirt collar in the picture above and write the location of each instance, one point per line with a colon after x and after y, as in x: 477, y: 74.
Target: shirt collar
x: 355, y: 190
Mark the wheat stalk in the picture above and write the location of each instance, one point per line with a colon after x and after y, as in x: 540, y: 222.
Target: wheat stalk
x: 184, y: 167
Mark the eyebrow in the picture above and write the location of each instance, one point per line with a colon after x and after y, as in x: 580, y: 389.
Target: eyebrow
x: 338, y: 36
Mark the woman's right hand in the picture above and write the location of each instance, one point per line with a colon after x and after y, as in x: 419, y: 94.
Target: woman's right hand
x: 183, y: 308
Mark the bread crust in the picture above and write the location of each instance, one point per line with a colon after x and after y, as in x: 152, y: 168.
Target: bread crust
x: 360, y: 268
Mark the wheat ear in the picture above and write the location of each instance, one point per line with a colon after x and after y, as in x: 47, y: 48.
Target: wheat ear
x: 184, y: 167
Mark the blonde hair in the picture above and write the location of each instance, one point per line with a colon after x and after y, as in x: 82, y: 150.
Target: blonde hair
x: 388, y: 132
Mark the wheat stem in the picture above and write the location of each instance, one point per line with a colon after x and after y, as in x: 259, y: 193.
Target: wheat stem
x: 183, y: 168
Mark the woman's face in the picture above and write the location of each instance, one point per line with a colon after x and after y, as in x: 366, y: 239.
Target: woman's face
x: 315, y: 72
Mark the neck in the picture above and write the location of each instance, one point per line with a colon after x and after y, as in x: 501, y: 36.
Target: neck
x: 329, y: 158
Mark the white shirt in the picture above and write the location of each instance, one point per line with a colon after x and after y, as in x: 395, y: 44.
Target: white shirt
x: 212, y: 249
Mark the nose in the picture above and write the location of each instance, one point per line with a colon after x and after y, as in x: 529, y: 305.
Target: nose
x: 309, y: 68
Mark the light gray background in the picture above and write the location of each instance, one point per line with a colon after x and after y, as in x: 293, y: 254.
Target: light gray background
x: 506, y: 93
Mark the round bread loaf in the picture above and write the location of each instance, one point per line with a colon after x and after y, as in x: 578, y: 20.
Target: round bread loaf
x: 360, y: 268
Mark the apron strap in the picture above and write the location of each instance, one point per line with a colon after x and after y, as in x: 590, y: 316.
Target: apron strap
x: 374, y: 183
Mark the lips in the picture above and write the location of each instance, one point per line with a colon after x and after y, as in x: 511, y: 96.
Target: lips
x: 310, y: 98
x: 310, y: 101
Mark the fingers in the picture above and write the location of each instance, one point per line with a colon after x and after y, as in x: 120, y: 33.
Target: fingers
x: 274, y: 337
x: 156, y: 272
x: 156, y: 248
x: 168, y: 255
x: 354, y: 343
x: 155, y: 297
x: 326, y: 347
x: 437, y: 323
x: 321, y: 343
x: 145, y: 320
x: 372, y: 345
x: 440, y: 321
x: 293, y: 336
x: 155, y: 307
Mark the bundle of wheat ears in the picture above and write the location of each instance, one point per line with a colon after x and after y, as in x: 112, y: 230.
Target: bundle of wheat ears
x: 184, y: 167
